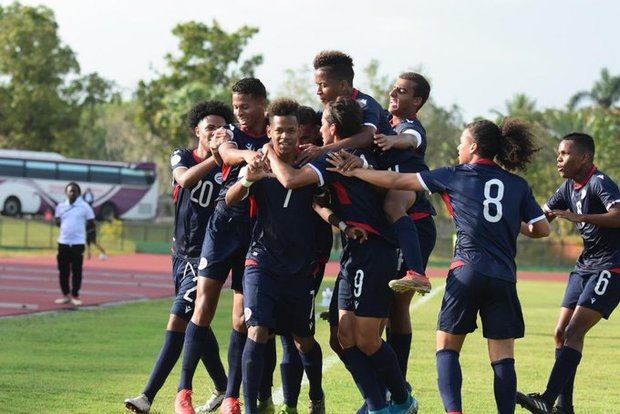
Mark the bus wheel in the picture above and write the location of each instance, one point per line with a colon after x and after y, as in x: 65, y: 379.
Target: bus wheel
x: 12, y: 207
x: 107, y: 212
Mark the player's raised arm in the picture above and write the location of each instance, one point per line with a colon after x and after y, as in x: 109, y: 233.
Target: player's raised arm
x: 231, y: 155
x: 188, y: 177
x: 288, y: 176
x: 536, y: 230
x: 247, y: 176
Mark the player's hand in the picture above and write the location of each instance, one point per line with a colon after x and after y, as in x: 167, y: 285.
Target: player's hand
x: 344, y: 162
x: 385, y: 142
x: 220, y: 136
x: 256, y: 169
x: 568, y: 215
x: 356, y: 233
x: 308, y: 153
x: 249, y: 156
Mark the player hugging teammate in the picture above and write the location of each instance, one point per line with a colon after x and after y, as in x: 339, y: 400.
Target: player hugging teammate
x: 258, y: 199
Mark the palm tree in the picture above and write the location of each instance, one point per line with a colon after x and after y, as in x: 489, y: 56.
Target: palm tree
x: 605, y: 92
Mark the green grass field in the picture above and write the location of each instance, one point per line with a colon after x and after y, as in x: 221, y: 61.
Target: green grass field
x: 88, y: 361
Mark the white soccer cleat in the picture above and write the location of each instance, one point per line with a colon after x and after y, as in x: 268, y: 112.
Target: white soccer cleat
x: 103, y: 256
x: 214, y: 401
x: 139, y: 404
x: 76, y: 302
x: 63, y: 300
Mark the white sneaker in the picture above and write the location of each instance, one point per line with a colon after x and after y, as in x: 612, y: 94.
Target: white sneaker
x: 63, y: 300
x: 139, y: 404
x: 212, y: 403
x: 103, y: 256
x: 76, y: 301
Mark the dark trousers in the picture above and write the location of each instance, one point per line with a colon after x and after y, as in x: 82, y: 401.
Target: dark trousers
x: 70, y: 258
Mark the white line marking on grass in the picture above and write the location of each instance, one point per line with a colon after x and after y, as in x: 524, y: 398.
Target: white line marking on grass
x: 330, y: 361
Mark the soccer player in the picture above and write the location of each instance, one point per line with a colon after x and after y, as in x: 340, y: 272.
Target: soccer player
x: 590, y: 199
x: 279, y: 286
x: 366, y: 265
x: 196, y: 183
x: 226, y: 243
x: 490, y: 206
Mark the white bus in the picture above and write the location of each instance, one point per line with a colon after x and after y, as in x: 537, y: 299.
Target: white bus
x: 34, y: 182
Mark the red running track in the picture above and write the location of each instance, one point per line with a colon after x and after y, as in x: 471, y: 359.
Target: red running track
x: 30, y: 284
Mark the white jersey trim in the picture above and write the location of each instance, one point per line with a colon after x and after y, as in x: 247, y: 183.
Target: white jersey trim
x: 416, y: 134
x: 422, y: 182
x: 534, y: 220
x: 370, y: 125
x: 610, y: 205
x: 316, y: 170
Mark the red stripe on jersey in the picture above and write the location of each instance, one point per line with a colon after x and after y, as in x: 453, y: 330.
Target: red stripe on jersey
x: 197, y: 157
x: 615, y: 270
x: 579, y: 184
x: 446, y: 199
x: 456, y: 263
x: 175, y: 193
x: 367, y: 227
x: 253, y: 207
x: 251, y: 262
x: 341, y: 193
x: 355, y: 93
x: 419, y: 215
x: 225, y: 171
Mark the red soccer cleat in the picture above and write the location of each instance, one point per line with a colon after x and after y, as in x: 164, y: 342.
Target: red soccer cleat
x: 411, y: 281
x: 230, y: 406
x: 183, y: 402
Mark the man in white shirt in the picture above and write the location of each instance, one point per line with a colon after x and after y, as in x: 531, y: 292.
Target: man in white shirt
x: 73, y: 216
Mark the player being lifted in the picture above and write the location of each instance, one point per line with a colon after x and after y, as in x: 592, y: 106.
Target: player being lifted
x: 226, y: 243
x: 590, y: 199
x: 278, y: 283
x: 490, y: 206
x: 197, y: 180
x: 366, y: 268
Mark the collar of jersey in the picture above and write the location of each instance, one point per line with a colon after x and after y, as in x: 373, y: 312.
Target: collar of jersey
x: 579, y: 184
x: 251, y: 135
x: 196, y: 156
x: 485, y: 161
x: 355, y: 93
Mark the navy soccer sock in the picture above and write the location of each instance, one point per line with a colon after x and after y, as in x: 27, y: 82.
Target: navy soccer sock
x: 195, y: 337
x: 235, y: 353
x: 401, y: 344
x: 565, y: 399
x: 168, y: 356
x: 386, y: 366
x: 564, y: 369
x: 505, y: 385
x: 264, y: 390
x: 449, y: 379
x: 213, y: 363
x: 291, y: 370
x: 365, y: 377
x: 313, y: 365
x: 253, y: 364
x: 407, y: 235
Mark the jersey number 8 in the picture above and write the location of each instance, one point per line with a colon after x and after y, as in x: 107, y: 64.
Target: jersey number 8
x: 491, y: 200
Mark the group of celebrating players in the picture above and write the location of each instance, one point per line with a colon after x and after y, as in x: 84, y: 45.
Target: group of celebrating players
x: 257, y: 199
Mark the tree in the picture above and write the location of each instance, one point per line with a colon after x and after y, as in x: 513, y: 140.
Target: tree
x: 378, y: 85
x: 298, y: 84
x: 605, y: 92
x: 520, y: 106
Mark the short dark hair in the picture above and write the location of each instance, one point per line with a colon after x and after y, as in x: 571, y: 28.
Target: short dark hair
x: 583, y: 142
x: 307, y: 116
x: 346, y: 114
x: 74, y: 184
x: 421, y: 87
x: 250, y: 86
x: 512, y: 143
x: 336, y: 65
x: 206, y: 108
x: 283, y: 107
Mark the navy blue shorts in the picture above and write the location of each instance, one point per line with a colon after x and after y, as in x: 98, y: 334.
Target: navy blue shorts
x: 318, y: 273
x: 469, y: 292
x: 224, y: 248
x: 282, y: 303
x: 365, y: 270
x: 598, y: 290
x: 185, y: 276
x: 333, y: 303
x: 427, y: 234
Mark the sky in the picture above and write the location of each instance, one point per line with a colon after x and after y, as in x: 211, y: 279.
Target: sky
x: 477, y: 53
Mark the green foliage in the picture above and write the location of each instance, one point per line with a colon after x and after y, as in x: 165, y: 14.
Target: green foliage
x: 298, y: 84
x: 604, y: 93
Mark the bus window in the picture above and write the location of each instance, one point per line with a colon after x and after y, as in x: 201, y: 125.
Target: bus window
x: 72, y: 172
x: 107, y: 175
x: 12, y: 168
x: 41, y: 169
x: 134, y: 177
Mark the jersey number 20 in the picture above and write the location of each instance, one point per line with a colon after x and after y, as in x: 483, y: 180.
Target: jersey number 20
x: 206, y: 190
x: 489, y: 200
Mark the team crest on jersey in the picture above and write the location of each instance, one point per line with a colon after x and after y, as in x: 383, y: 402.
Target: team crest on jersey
x: 249, y: 146
x: 362, y: 103
x: 583, y: 194
x: 203, y: 263
x: 188, y: 309
x: 601, y: 176
x: 175, y: 159
x: 218, y: 178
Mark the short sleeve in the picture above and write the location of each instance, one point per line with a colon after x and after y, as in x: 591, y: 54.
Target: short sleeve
x: 558, y: 200
x: 371, y: 113
x: 57, y: 210
x: 605, y: 189
x: 90, y: 214
x: 320, y: 166
x: 412, y: 129
x: 530, y: 210
x: 180, y: 158
x: 436, y: 181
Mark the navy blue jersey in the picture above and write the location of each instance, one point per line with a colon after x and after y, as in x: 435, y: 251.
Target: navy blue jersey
x: 242, y: 140
x: 594, y: 195
x: 488, y: 205
x: 373, y: 115
x: 409, y: 159
x: 193, y: 206
x: 353, y: 200
x: 283, y: 237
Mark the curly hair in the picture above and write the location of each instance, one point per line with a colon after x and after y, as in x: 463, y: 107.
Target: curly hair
x: 512, y: 144
x: 206, y: 108
x: 336, y: 65
x: 283, y: 107
x: 421, y: 87
x: 250, y: 86
x: 346, y: 114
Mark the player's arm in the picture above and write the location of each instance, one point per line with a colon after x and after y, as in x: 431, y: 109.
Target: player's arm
x: 231, y: 155
x: 401, y: 141
x: 351, y: 232
x: 537, y: 229
x: 90, y: 225
x: 363, y: 139
x: 288, y: 176
x: 220, y: 136
x: 248, y: 175
x: 610, y: 219
x: 188, y: 177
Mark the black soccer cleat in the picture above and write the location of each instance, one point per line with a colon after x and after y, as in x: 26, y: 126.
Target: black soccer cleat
x: 534, y: 403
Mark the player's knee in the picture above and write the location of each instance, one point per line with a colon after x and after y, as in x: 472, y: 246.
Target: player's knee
x: 394, y: 209
x: 258, y: 334
x: 304, y: 344
x: 345, y: 338
x: 574, y: 333
x: 558, y: 335
x: 367, y: 343
x: 176, y: 324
